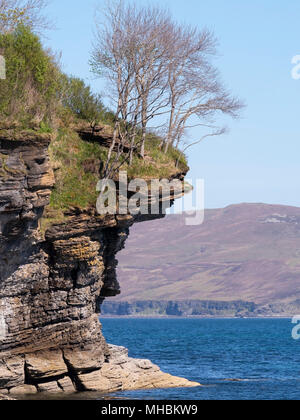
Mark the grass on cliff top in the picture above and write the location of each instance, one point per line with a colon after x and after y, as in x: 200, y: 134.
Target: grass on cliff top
x: 75, y: 163
x: 76, y: 166
x: 157, y: 164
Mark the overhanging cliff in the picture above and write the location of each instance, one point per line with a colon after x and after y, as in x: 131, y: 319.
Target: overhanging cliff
x: 51, y: 287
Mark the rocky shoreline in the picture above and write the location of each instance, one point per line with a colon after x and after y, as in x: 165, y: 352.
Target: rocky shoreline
x: 197, y: 309
x: 118, y: 373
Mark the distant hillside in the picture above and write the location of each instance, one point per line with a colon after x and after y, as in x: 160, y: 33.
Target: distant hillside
x: 247, y: 252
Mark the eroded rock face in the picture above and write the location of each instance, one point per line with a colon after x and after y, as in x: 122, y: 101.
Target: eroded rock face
x: 51, y: 289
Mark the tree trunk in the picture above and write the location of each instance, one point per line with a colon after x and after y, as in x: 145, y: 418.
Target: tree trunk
x: 144, y: 129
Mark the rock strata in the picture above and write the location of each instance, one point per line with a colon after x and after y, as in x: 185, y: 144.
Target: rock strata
x: 51, y: 287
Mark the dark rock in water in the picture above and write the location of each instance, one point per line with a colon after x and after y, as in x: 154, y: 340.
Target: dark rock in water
x: 51, y: 289
x: 234, y: 380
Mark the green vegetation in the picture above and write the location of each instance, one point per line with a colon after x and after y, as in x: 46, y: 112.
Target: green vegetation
x: 35, y: 93
x: 157, y: 163
x: 37, y: 98
x: 27, y: 12
x: 29, y: 94
x: 81, y: 102
x: 76, y: 163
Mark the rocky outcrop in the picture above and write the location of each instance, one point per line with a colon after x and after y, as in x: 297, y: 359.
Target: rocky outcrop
x: 121, y: 372
x: 51, y: 288
x: 100, y: 134
x: 5, y: 398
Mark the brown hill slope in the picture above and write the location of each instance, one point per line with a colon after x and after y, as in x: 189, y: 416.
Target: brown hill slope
x: 247, y: 252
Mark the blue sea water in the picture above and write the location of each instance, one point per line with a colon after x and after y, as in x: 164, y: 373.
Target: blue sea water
x: 234, y: 359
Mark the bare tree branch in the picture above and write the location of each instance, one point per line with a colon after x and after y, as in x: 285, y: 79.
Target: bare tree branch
x: 27, y: 12
x: 158, y: 71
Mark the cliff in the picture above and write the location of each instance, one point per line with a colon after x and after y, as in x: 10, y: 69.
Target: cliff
x: 199, y: 308
x: 52, y: 286
x: 180, y: 308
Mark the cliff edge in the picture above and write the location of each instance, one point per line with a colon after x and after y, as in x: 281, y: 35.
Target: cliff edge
x: 52, y: 286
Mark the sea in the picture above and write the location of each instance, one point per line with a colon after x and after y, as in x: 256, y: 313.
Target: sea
x: 233, y: 359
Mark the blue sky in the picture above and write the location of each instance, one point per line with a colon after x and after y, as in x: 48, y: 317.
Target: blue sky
x: 258, y: 161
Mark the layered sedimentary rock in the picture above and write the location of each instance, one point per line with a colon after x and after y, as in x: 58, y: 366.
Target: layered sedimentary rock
x: 51, y: 287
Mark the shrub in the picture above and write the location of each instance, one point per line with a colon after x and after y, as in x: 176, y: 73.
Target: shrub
x: 80, y: 100
x: 32, y: 85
